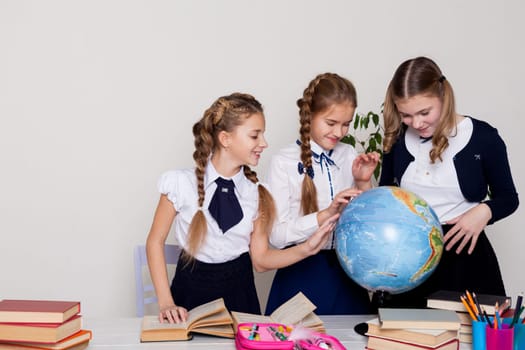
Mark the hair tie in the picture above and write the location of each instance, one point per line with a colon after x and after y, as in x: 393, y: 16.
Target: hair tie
x: 442, y: 79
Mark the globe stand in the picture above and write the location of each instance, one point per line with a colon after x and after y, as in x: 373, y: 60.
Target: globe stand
x: 380, y: 298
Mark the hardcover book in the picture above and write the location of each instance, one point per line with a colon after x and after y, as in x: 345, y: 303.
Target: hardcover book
x: 387, y: 344
x: 37, y: 311
x: 418, y: 319
x: 450, y: 300
x: 77, y: 341
x: 297, y: 310
x: 39, y: 332
x: 211, y: 318
x: 424, y: 337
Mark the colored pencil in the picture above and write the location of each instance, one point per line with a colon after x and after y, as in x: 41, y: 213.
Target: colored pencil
x: 467, y: 306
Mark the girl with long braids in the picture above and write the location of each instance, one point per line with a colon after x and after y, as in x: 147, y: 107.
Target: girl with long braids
x: 222, y: 216
x: 459, y: 165
x: 311, y: 180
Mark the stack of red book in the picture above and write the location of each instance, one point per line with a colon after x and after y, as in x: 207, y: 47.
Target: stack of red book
x: 42, y: 324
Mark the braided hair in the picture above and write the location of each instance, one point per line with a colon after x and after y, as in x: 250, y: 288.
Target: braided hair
x: 225, y: 114
x: 321, y: 93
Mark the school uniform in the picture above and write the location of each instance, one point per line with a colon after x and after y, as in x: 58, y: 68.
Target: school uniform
x: 222, y: 266
x: 474, y: 163
x: 320, y: 277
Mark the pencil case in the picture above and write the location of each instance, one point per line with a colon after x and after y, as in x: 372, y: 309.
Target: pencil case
x: 320, y: 341
x: 276, y: 336
x: 261, y: 336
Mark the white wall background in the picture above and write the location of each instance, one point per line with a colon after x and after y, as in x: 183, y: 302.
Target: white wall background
x: 97, y: 99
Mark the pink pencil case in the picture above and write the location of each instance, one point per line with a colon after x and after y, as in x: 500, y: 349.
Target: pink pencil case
x: 320, y: 341
x: 275, y: 336
x: 260, y: 336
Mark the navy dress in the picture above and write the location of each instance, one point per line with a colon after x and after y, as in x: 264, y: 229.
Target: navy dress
x: 327, y: 286
x: 196, y: 283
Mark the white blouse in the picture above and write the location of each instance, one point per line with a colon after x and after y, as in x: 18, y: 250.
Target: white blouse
x: 180, y: 186
x: 285, y: 182
x: 438, y: 183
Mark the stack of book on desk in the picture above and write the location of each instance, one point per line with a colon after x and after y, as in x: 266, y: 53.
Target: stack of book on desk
x: 413, y: 329
x: 41, y: 324
x: 450, y: 300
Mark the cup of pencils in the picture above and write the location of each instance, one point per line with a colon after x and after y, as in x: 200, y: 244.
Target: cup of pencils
x: 496, y: 333
x: 499, y: 338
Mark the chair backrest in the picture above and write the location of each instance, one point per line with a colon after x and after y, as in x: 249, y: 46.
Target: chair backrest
x: 145, y: 291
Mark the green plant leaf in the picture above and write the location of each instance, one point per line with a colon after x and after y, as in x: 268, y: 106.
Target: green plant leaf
x: 356, y: 121
x: 375, y: 119
x: 349, y: 139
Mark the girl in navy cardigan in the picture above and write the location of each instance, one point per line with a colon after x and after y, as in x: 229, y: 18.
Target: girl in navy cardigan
x: 459, y: 165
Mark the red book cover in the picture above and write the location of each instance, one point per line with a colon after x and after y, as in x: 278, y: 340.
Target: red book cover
x: 37, y: 311
x: 39, y: 332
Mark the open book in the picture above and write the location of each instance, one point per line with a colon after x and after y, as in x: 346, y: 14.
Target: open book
x: 297, y: 310
x: 211, y: 318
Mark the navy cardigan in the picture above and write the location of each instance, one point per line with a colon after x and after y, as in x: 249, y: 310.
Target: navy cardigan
x: 482, y: 168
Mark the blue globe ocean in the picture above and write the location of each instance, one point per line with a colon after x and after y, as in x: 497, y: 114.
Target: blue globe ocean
x: 389, y: 239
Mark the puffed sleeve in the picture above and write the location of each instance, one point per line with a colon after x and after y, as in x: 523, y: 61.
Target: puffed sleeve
x: 168, y: 185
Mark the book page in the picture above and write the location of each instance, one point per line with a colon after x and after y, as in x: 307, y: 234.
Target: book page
x: 204, y: 310
x: 225, y: 330
x: 311, y: 321
x: 294, y: 310
x: 242, y: 317
x: 219, y: 318
x: 151, y: 322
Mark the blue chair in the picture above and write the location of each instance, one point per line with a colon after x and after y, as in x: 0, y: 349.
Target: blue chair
x: 144, y: 288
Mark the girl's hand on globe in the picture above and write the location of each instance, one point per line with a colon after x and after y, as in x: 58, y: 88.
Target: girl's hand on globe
x: 467, y: 228
x: 320, y: 237
x: 338, y: 204
x: 363, y: 168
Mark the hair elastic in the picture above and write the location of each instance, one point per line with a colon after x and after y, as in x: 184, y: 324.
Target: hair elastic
x: 442, y: 79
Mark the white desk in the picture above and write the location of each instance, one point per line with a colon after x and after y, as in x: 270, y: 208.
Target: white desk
x: 123, y: 334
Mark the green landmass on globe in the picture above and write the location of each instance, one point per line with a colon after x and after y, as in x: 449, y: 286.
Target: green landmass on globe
x: 389, y: 239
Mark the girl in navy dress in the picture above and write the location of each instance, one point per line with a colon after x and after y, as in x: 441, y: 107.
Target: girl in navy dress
x: 459, y: 165
x: 222, y: 216
x: 312, y: 179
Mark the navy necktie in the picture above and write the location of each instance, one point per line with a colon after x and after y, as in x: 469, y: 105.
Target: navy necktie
x: 224, y: 206
x: 425, y: 139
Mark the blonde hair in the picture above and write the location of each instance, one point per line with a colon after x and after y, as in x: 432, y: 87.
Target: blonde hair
x: 322, y: 92
x: 225, y: 114
x: 419, y: 76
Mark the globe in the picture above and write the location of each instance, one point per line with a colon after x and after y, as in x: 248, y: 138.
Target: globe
x: 389, y: 240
